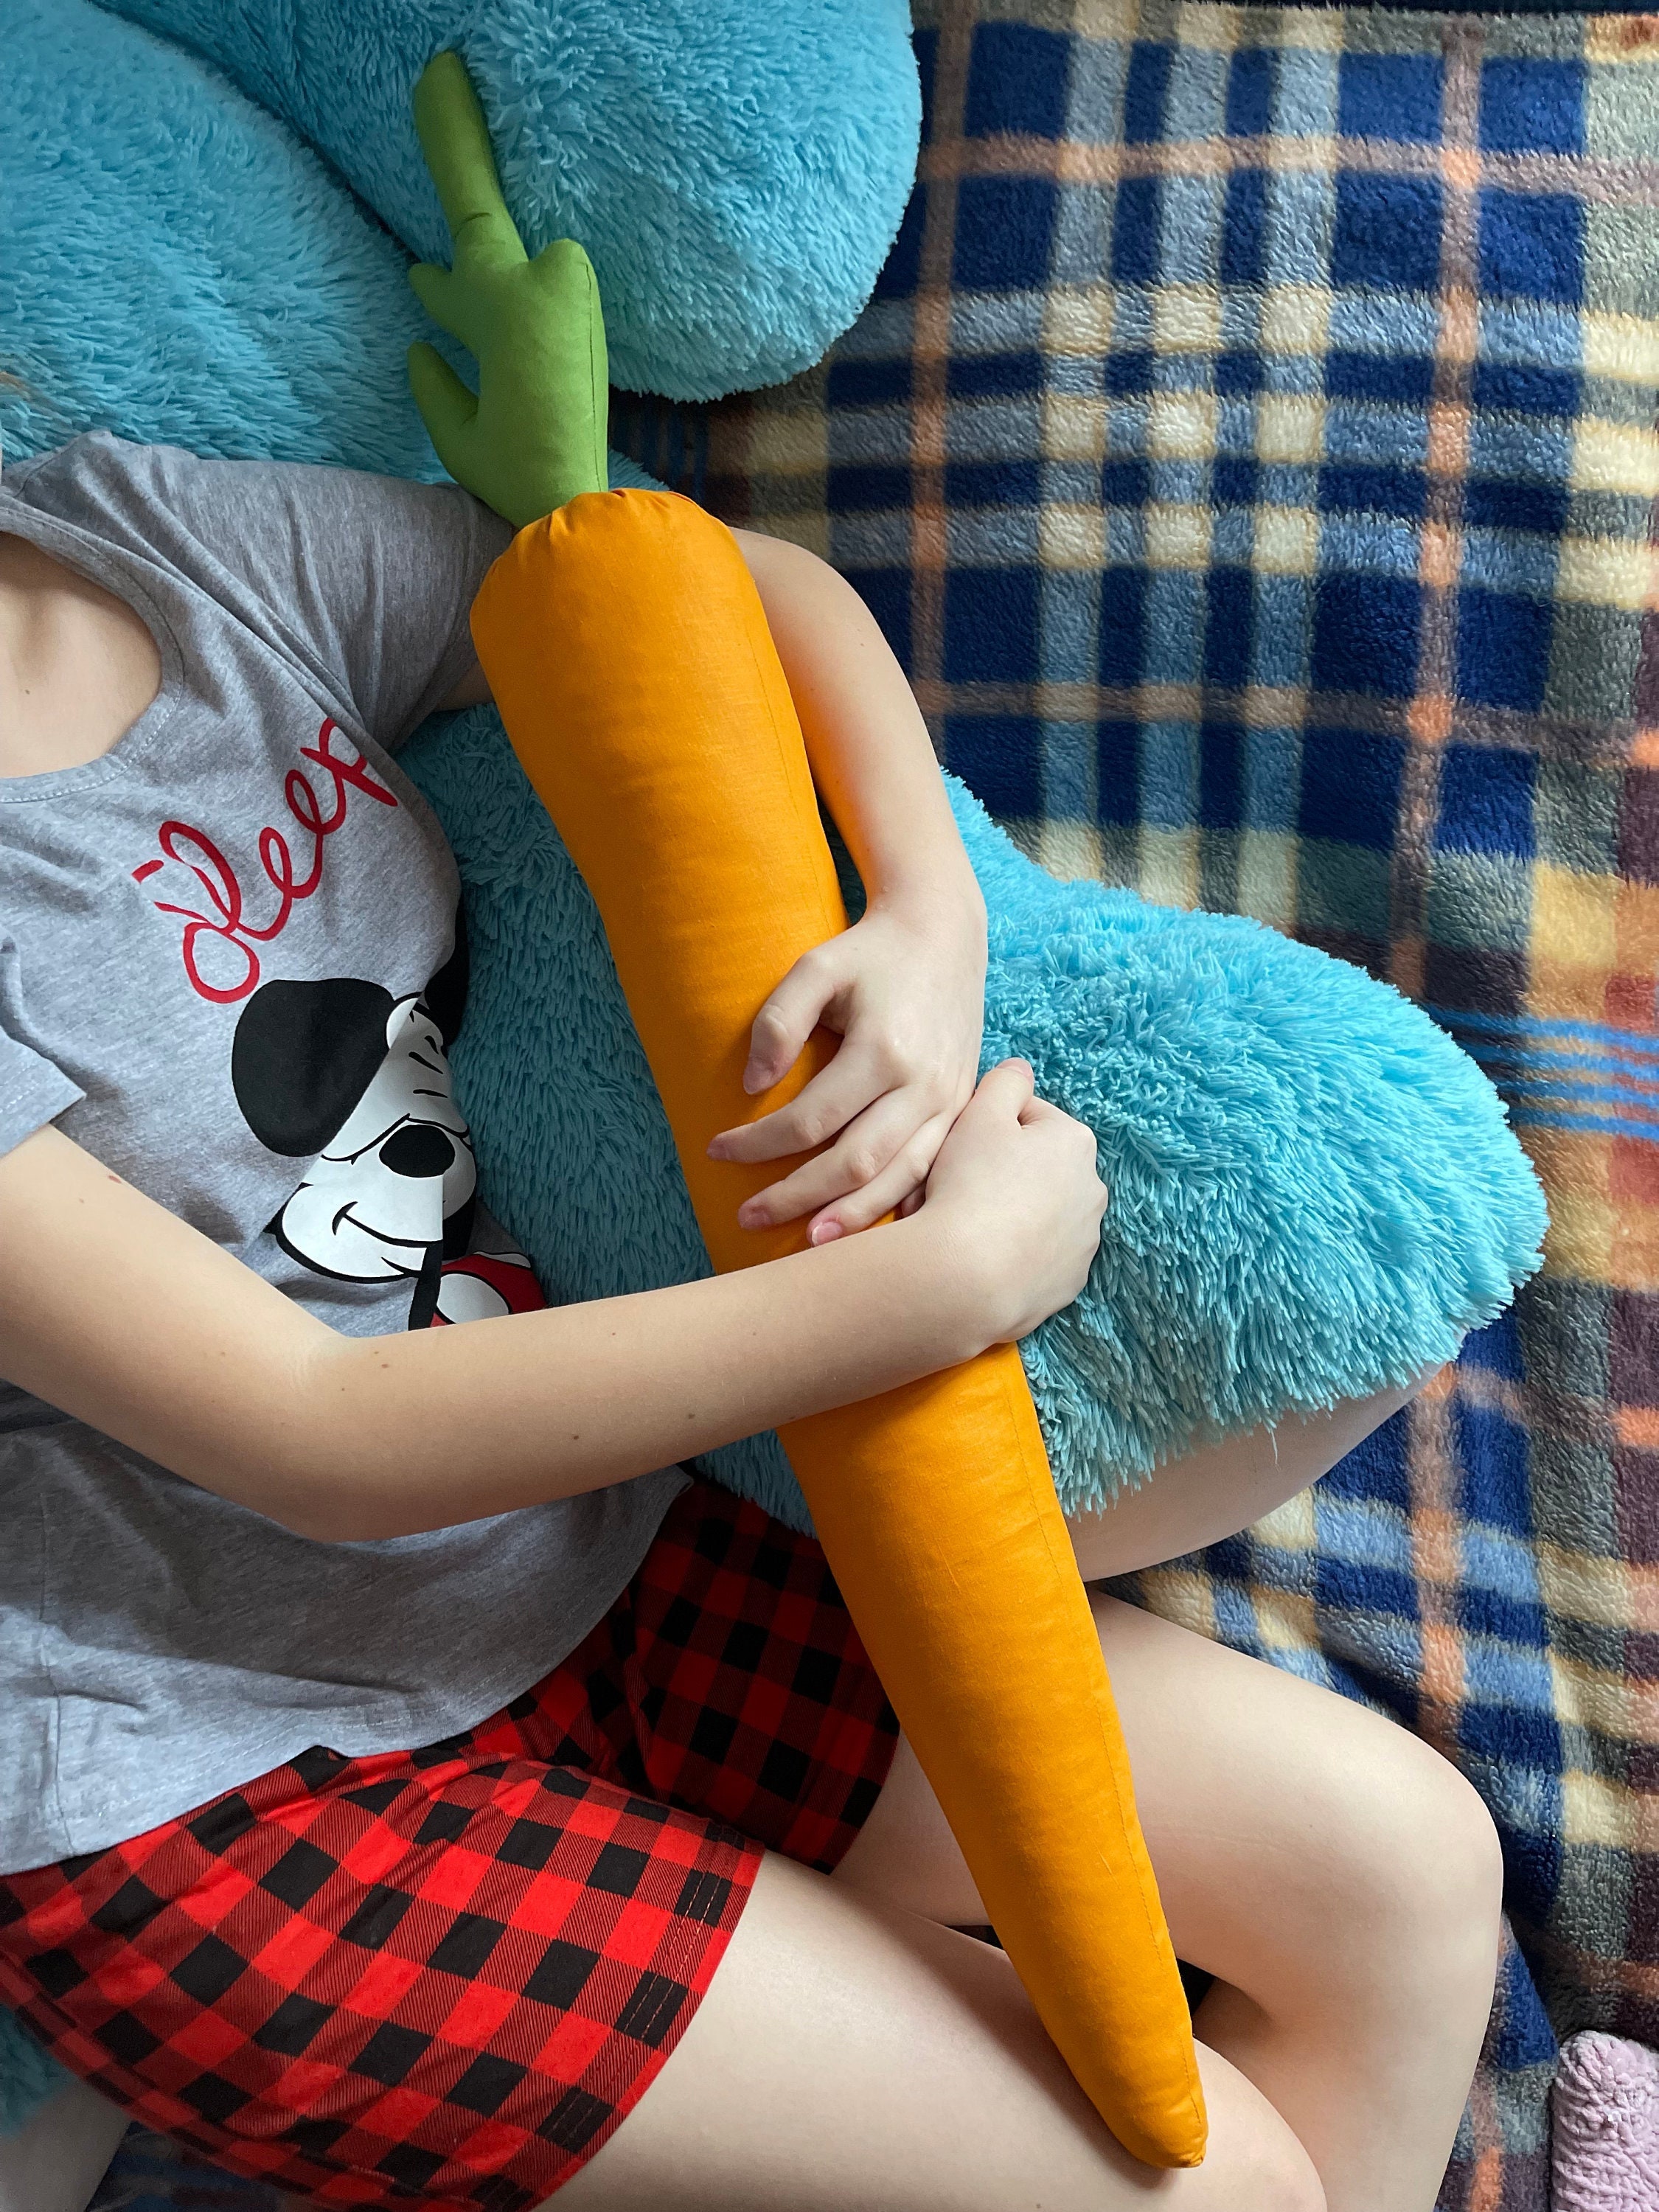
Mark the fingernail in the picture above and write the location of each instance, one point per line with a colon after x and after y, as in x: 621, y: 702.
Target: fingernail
x: 751, y: 1217
x: 826, y: 1232
x: 754, y: 1078
x: 716, y: 1146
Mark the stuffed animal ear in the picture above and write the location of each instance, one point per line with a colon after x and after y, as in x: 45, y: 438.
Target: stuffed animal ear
x: 175, y: 265
x: 737, y: 173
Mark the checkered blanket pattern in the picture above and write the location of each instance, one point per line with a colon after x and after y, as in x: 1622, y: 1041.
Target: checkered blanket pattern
x: 1250, y: 453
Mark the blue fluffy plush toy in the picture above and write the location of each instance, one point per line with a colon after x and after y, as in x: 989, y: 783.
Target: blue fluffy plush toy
x: 1315, y: 1193
x: 736, y: 173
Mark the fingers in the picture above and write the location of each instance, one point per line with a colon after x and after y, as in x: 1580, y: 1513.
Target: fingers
x: 898, y: 1189
x: 455, y: 140
x: 867, y: 1150
x: 1009, y: 1087
x: 830, y: 1102
x: 783, y: 1025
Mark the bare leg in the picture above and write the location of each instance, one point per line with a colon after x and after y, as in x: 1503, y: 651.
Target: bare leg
x: 56, y: 2160
x: 1209, y: 1494
x: 1339, y: 1878
x: 851, y: 2057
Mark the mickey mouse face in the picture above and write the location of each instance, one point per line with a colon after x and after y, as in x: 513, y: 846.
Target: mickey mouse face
x: 399, y: 1168
x: 340, y: 1072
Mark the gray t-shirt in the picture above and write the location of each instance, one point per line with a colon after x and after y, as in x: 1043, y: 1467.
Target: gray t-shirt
x: 230, y: 962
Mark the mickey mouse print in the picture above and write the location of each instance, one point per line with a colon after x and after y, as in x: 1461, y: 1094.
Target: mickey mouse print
x: 337, y: 1070
x: 340, y: 1073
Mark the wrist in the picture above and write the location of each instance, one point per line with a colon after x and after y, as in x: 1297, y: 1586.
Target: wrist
x: 912, y: 860
x: 950, y: 1283
x: 942, y: 891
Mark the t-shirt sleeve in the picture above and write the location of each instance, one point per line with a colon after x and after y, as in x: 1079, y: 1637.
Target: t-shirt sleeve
x: 368, y: 579
x: 33, y: 1091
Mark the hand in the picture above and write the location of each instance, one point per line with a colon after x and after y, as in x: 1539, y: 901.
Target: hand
x: 905, y: 988
x: 1015, y: 1189
x: 533, y: 435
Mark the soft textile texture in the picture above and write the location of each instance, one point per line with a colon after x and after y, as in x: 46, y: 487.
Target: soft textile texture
x: 176, y: 215
x: 532, y: 433
x: 1350, y: 321
x: 1606, y: 2151
x: 736, y: 173
x: 1252, y: 1106
x: 141, y: 193
x: 1283, y: 1231
x: 509, y: 1930
x: 27, y: 2076
x: 238, y: 930
x: 177, y: 267
x: 627, y: 648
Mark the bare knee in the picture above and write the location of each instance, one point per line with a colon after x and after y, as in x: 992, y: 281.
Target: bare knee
x: 1256, y: 2164
x: 848, y: 2053
x: 1461, y: 1864
x: 1441, y: 1842
x: 1422, y: 1887
x: 1284, y: 2179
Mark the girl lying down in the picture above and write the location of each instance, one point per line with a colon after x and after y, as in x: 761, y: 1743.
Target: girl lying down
x: 416, y: 1784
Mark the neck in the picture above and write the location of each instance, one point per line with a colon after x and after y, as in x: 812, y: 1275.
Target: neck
x: 78, y: 665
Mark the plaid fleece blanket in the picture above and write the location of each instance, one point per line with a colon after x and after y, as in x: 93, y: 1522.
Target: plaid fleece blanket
x: 1250, y: 453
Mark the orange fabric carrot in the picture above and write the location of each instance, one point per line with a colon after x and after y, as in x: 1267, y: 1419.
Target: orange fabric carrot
x: 629, y: 654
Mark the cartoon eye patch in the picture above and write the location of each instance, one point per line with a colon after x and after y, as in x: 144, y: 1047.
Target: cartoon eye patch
x: 337, y: 1072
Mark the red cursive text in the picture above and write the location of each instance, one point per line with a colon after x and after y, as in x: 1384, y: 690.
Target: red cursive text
x: 228, y: 924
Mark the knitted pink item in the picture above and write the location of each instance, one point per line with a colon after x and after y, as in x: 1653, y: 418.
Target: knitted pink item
x: 1607, y: 2126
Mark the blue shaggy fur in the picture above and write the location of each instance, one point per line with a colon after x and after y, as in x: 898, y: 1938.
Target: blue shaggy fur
x: 1313, y: 1191
x: 27, y: 2076
x: 737, y: 172
x: 177, y: 267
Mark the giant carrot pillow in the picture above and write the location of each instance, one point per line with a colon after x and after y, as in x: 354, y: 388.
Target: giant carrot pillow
x: 1315, y: 1193
x: 627, y: 652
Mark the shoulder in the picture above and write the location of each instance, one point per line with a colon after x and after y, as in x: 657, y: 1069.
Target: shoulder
x: 108, y: 486
x: 272, y: 528
x: 102, y: 469
x: 95, y: 458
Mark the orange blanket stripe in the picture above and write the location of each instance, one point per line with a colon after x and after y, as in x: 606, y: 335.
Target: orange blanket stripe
x: 628, y: 655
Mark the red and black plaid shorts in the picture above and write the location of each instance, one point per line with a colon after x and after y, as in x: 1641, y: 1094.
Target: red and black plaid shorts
x: 445, y: 1976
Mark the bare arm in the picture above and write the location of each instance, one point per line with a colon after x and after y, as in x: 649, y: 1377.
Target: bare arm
x: 871, y: 757
x: 118, y: 1312
x: 904, y: 988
